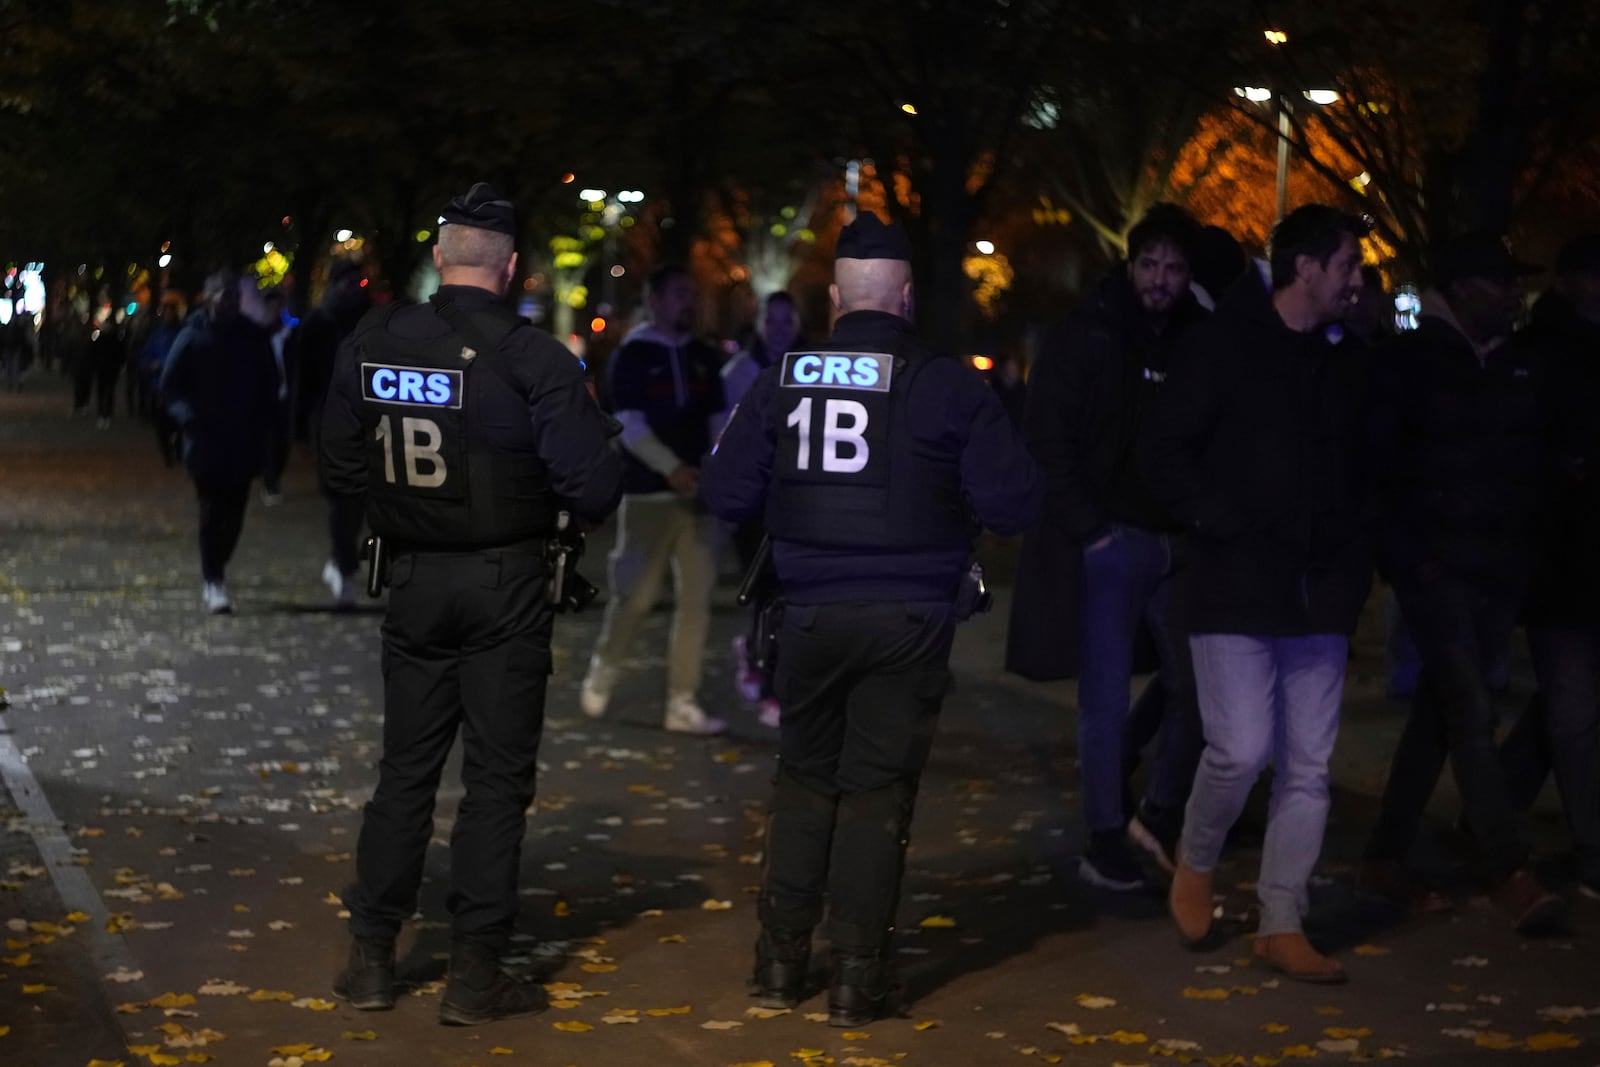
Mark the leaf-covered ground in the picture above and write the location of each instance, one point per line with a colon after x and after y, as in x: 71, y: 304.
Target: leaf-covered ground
x: 206, y: 775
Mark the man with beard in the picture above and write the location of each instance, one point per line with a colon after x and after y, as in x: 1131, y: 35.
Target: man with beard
x: 665, y: 388
x: 1256, y: 446
x: 1091, y: 388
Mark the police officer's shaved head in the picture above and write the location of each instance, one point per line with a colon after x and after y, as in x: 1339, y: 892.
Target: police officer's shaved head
x: 872, y: 268
x: 477, y: 240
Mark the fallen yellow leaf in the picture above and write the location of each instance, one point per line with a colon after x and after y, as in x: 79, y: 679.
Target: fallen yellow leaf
x: 1089, y: 1000
x: 598, y: 968
x: 500, y: 1050
x: 1372, y: 950
x: 927, y: 1024
x: 1494, y: 1039
x: 1211, y: 993
x: 1299, y: 1052
x: 35, y: 989
x: 361, y: 1035
x: 1274, y: 1028
x: 1328, y: 1010
x: 106, y: 1063
x: 937, y: 922
x: 685, y: 1010
x: 754, y: 1063
x: 1552, y: 1039
x: 1340, y: 1033
x: 77, y: 917
x: 292, y: 1050
x: 716, y: 905
x: 269, y: 994
x: 855, y: 1035
x: 672, y: 939
x: 143, y: 1050
x: 562, y: 909
x: 1124, y: 1037
x: 161, y: 1059
x: 175, y: 1000
x: 574, y: 1027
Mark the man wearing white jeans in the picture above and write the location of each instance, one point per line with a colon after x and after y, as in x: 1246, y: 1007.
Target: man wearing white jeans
x: 1257, y: 447
x: 665, y: 386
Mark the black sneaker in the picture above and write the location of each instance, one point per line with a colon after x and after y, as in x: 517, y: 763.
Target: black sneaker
x: 1109, y: 863
x: 367, y: 980
x: 477, y: 990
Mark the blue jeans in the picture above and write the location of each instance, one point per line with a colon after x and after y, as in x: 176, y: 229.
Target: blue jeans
x: 1127, y: 583
x: 1567, y: 661
x: 1266, y: 699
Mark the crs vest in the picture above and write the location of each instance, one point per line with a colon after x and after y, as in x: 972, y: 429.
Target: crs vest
x: 435, y: 477
x: 847, y: 471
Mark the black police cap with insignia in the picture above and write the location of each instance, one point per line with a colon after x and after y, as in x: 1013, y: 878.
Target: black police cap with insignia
x: 483, y: 207
x: 868, y: 237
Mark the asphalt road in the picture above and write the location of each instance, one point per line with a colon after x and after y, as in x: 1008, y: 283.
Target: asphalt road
x: 182, y: 795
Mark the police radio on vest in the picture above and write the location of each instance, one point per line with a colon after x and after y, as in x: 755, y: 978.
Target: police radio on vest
x: 423, y: 386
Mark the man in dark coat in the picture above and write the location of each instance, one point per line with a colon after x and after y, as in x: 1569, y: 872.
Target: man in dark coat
x: 1456, y: 435
x: 1091, y: 389
x: 220, y: 385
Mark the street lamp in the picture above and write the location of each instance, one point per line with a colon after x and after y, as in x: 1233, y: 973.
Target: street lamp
x: 1258, y: 95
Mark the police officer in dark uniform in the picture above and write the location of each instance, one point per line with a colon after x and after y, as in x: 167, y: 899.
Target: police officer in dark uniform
x: 874, y: 462
x: 469, y: 432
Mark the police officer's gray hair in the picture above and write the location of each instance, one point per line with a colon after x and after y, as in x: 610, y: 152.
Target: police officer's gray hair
x: 470, y: 246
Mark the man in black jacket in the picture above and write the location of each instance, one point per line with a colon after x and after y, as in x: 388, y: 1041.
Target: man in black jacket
x: 1091, y: 387
x: 1256, y: 447
x: 1456, y: 427
x: 1563, y: 612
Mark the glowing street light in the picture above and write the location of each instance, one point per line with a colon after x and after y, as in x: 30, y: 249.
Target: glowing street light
x: 1322, y: 96
x: 591, y: 195
x: 1276, y: 37
x: 630, y: 196
x: 985, y: 247
x: 267, y: 248
x: 165, y: 260
x: 343, y: 235
x: 1254, y: 94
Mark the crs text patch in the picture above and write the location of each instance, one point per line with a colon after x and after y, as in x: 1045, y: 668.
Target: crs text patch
x: 838, y: 370
x: 417, y: 386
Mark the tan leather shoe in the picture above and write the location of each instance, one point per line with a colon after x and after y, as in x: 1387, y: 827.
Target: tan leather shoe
x: 1190, y: 904
x: 1291, y: 955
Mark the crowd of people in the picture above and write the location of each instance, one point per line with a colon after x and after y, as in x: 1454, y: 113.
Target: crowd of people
x: 1211, y: 460
x: 1228, y: 467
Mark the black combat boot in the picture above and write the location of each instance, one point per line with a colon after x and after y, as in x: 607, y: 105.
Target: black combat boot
x: 858, y: 991
x: 367, y: 980
x: 781, y: 963
x: 478, y: 991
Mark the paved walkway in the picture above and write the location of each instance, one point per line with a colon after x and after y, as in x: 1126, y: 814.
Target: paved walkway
x: 183, y: 793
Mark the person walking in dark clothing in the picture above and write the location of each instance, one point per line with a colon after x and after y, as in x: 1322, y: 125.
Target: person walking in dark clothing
x: 874, y: 461
x: 325, y: 327
x: 107, y: 353
x: 1256, y: 445
x: 219, y: 386
x: 1563, y: 607
x: 467, y: 433
x: 1092, y: 387
x: 1456, y: 437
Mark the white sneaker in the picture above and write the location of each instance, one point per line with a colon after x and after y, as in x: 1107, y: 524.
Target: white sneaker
x: 597, y: 687
x: 215, y: 595
x: 685, y: 716
x: 341, y: 586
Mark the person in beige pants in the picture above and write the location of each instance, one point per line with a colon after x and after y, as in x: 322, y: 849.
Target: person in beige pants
x: 665, y: 388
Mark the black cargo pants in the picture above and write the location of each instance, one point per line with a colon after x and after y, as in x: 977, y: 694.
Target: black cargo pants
x: 466, y: 646
x: 861, y: 686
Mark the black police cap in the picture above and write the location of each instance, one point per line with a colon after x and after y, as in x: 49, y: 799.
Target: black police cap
x: 868, y: 237
x: 483, y: 207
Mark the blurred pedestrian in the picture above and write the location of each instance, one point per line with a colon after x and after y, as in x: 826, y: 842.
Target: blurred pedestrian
x: 272, y: 320
x: 777, y: 332
x: 219, y: 385
x: 1563, y: 609
x: 466, y: 432
x: 665, y: 387
x: 1093, y: 387
x: 107, y: 353
x: 1457, y: 443
x: 316, y: 341
x: 1256, y: 446
x: 152, y: 360
x: 873, y: 461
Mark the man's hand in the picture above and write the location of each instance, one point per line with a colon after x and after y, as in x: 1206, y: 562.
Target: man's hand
x: 684, y: 480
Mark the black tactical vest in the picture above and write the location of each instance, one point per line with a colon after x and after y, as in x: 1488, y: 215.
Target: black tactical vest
x: 435, y: 477
x: 847, y: 471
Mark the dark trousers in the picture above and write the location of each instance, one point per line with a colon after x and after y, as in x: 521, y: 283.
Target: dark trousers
x: 861, y: 686
x: 1567, y: 662
x: 276, y: 452
x: 1127, y: 587
x: 466, y: 646
x: 82, y: 382
x: 1459, y: 627
x: 222, y: 504
x: 105, y: 388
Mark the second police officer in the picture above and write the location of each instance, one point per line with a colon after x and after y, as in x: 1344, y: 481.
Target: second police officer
x: 874, y: 461
x: 469, y: 432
